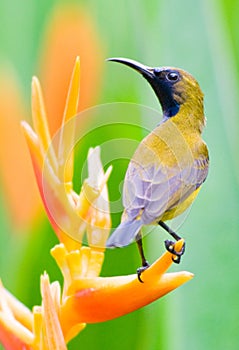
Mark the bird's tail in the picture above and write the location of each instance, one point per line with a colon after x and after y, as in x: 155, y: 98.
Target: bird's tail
x: 124, y: 234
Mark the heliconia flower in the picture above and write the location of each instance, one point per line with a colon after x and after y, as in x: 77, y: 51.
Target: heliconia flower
x: 90, y: 299
x: 56, y: 189
x: 59, y: 48
x: 86, y: 297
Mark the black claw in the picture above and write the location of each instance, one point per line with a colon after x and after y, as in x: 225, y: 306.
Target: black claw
x: 141, y: 269
x: 169, y: 245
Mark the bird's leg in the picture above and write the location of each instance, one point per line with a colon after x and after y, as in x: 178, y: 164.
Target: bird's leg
x: 145, y: 263
x: 170, y: 244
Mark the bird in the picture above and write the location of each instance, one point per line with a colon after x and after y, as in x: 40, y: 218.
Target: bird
x: 165, y: 174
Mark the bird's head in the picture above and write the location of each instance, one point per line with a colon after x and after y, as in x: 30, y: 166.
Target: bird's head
x: 174, y: 87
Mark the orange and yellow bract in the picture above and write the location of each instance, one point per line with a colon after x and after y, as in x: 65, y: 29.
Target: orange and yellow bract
x: 85, y: 297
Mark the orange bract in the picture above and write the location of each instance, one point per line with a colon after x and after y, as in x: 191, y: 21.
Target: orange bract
x: 85, y: 297
x: 101, y: 299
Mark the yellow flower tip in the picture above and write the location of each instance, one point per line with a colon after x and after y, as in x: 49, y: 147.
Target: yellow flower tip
x: 37, y: 324
x: 77, y: 264
x: 73, y: 259
x: 28, y: 132
x: 71, y: 105
x: 174, y: 280
x: 59, y: 253
x: 37, y: 102
x: 72, y: 332
x: 40, y: 122
x: 56, y: 294
x: 44, y: 280
x: 76, y: 69
x: 33, y: 145
x: 67, y: 133
x: 95, y: 263
x: 53, y: 333
x: 35, y: 83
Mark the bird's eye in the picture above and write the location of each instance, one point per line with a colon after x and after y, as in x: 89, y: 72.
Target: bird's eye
x: 172, y: 76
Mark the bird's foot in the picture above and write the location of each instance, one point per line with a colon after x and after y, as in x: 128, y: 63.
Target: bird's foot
x: 141, y: 269
x: 170, y: 246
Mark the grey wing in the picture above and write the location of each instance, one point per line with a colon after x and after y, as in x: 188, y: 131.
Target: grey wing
x: 151, y: 191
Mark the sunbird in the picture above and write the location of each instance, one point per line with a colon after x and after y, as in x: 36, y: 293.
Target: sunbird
x: 170, y: 164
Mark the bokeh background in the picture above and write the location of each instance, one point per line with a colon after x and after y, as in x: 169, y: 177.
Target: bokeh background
x: 42, y: 38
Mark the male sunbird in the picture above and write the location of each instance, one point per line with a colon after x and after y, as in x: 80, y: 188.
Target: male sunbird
x: 169, y: 166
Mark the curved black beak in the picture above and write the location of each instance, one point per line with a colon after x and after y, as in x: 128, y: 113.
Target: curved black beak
x: 162, y: 88
x: 147, y: 72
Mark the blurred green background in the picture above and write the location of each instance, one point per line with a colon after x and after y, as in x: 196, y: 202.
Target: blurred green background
x: 200, y: 36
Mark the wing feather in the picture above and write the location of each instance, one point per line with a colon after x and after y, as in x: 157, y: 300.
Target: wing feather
x: 151, y: 191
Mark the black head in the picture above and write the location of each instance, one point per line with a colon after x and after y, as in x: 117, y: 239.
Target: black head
x: 169, y: 84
